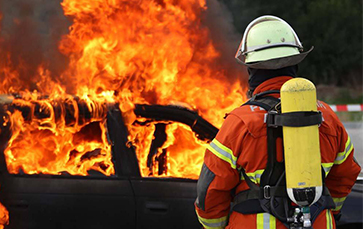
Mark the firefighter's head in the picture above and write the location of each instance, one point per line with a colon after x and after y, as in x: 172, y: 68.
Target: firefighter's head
x: 270, y: 43
x: 269, y: 48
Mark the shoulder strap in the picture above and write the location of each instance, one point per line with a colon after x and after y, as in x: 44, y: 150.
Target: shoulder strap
x: 273, y: 169
x: 266, y: 103
x: 261, y: 100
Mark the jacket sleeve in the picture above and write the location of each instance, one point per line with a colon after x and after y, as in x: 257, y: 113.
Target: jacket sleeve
x: 219, y: 175
x: 344, y: 172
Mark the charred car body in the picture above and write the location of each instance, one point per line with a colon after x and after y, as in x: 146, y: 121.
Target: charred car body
x: 124, y: 199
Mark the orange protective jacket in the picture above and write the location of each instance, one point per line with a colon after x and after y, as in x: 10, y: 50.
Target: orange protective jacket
x: 242, y: 143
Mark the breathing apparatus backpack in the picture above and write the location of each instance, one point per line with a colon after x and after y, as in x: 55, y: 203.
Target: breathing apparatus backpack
x: 292, y: 190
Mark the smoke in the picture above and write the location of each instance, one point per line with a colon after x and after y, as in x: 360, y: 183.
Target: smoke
x: 226, y: 39
x: 29, y: 36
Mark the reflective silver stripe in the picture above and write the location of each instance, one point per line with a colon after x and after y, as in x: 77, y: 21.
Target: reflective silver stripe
x: 223, y: 152
x: 255, y: 176
x: 343, y: 155
x: 266, y: 221
x: 214, y: 225
x: 338, y: 203
x: 219, y: 223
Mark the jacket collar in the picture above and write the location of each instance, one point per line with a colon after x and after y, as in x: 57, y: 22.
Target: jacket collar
x: 272, y: 84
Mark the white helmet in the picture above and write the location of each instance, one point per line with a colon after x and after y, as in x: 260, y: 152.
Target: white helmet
x: 270, y: 43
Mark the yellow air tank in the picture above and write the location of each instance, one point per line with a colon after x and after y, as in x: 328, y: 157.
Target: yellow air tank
x: 301, y: 144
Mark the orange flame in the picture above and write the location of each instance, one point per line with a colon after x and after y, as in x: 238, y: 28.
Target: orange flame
x: 159, y: 52
x: 4, y: 213
x: 54, y: 144
x: 125, y: 52
x: 4, y: 216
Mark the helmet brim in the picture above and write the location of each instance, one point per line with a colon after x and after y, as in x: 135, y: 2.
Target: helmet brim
x: 279, y: 62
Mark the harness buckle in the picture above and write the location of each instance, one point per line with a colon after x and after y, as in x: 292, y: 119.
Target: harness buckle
x: 270, y: 120
x: 266, y: 192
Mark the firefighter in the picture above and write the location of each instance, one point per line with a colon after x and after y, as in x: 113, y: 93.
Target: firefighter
x: 231, y: 190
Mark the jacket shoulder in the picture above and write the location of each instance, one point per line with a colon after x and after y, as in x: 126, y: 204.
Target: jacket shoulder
x: 253, y: 117
x: 331, y: 122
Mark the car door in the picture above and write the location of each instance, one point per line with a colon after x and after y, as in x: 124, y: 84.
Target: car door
x: 67, y: 202
x: 168, y: 202
x: 96, y: 201
x: 165, y: 203
x: 351, y: 212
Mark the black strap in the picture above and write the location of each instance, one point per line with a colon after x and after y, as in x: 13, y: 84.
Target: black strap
x: 270, y: 173
x: 246, y: 195
x: 266, y: 102
x: 244, y: 201
x: 251, y: 185
x: 274, y: 169
x: 263, y: 192
x: 295, y: 119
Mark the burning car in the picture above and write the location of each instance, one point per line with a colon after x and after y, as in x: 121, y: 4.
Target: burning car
x: 122, y: 191
x: 94, y: 188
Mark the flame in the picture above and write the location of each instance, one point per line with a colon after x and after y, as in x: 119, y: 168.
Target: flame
x: 54, y: 144
x: 4, y: 213
x: 160, y: 52
x: 4, y: 216
x: 120, y: 52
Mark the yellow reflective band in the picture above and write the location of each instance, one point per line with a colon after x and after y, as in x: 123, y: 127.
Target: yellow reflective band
x: 260, y: 220
x: 265, y: 221
x: 272, y: 222
x: 223, y: 152
x: 329, y: 220
x: 338, y: 203
x: 327, y: 167
x: 255, y: 176
x: 219, y: 223
x: 343, y: 155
